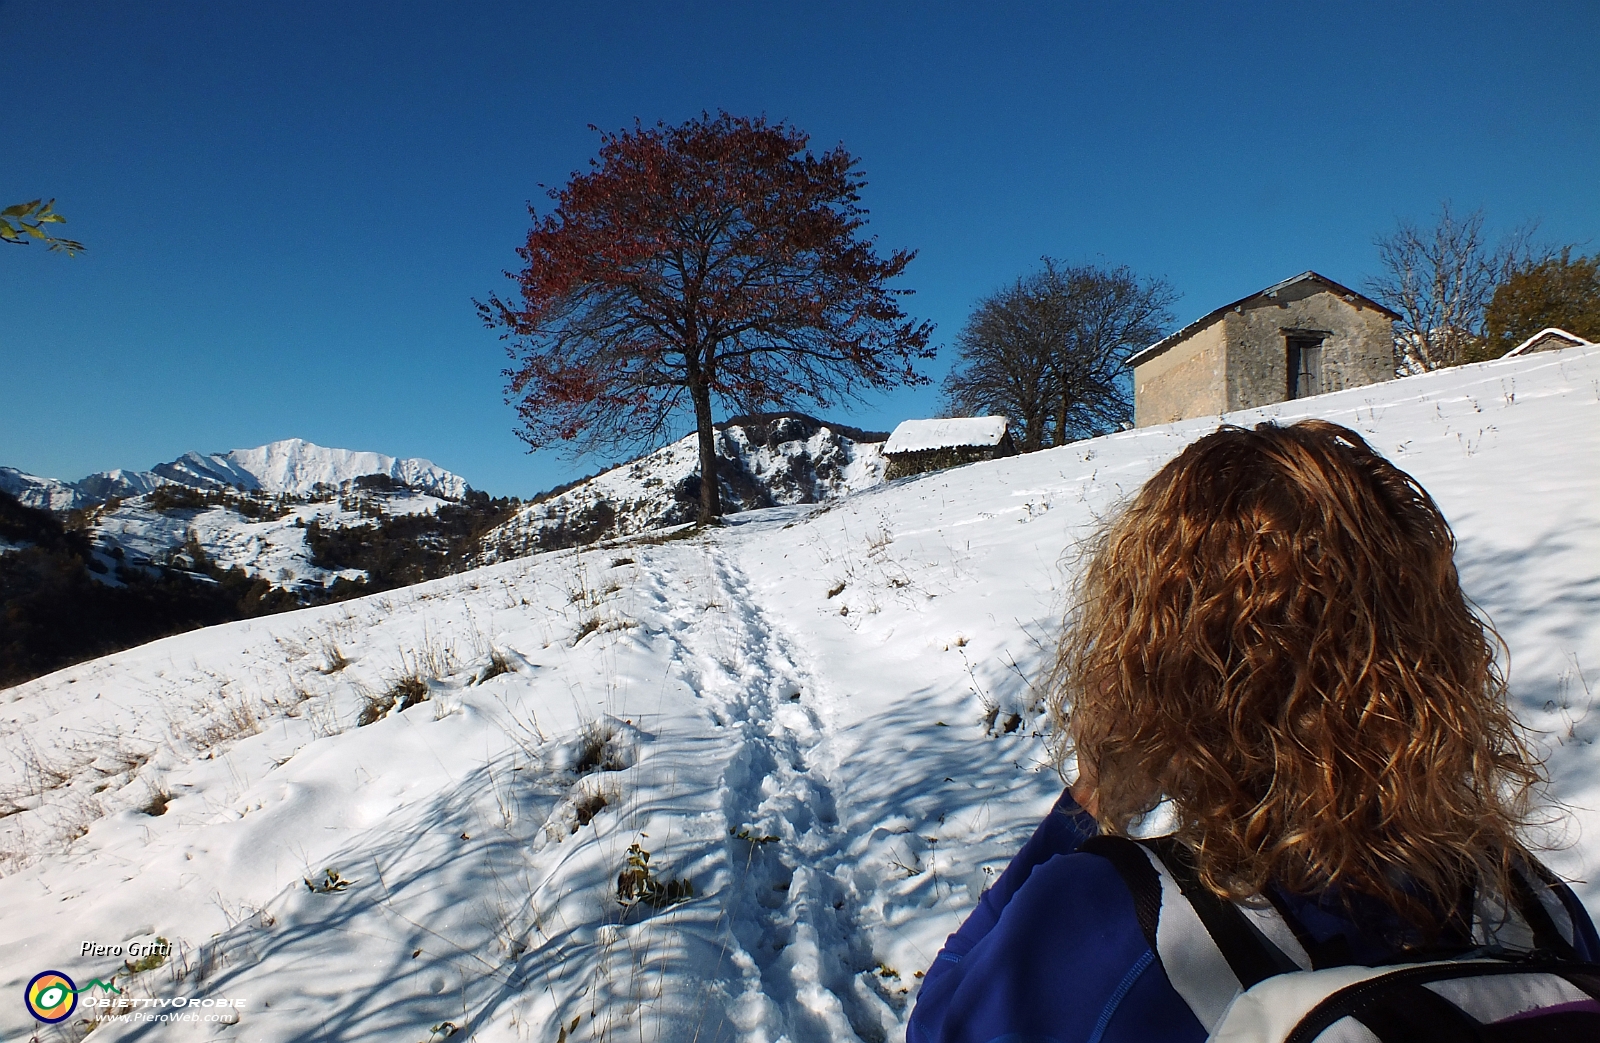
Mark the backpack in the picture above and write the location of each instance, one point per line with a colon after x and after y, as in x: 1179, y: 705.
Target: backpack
x: 1248, y: 978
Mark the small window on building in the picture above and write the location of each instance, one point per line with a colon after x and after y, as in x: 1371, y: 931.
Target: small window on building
x: 1305, y: 366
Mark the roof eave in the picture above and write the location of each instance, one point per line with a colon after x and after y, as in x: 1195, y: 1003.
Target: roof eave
x: 1144, y: 355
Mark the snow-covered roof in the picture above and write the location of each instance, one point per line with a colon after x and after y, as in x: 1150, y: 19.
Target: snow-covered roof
x: 1144, y: 355
x: 914, y: 436
x: 1572, y: 340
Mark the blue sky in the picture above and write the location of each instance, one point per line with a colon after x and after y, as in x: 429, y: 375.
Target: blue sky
x: 290, y: 206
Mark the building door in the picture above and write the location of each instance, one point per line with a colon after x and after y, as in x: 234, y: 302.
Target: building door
x: 1305, y: 366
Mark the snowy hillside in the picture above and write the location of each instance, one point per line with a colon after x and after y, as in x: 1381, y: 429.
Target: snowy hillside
x: 767, y: 461
x: 292, y: 467
x: 135, y: 533
x: 817, y: 721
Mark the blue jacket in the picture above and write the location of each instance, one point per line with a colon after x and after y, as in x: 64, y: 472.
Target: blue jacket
x: 1053, y: 953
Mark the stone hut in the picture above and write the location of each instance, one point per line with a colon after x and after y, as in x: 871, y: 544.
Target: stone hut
x: 1548, y: 339
x: 928, y: 445
x: 1303, y: 336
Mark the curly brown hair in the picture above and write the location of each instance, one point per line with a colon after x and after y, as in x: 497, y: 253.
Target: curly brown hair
x: 1272, y: 635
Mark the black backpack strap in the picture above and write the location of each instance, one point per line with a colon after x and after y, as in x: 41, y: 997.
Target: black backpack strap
x: 1332, y: 952
x: 1417, y: 1014
x: 1141, y: 878
x: 1546, y: 935
x: 1249, y: 953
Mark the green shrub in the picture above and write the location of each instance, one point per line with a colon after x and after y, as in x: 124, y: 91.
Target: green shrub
x: 155, y: 958
x: 637, y: 884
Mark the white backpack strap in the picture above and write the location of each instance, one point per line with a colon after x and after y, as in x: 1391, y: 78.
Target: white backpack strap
x: 1272, y: 1009
x: 1210, y: 955
x: 1533, y: 918
x: 1194, y: 964
x: 1539, y: 902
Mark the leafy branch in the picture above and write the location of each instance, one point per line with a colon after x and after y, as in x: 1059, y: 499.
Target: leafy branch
x: 27, y: 220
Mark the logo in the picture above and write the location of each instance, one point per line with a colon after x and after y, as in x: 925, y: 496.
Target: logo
x: 51, y: 996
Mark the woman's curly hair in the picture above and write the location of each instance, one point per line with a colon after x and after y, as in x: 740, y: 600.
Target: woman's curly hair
x: 1273, y: 636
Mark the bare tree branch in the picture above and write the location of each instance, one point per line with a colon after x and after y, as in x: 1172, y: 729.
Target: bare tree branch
x: 1441, y: 280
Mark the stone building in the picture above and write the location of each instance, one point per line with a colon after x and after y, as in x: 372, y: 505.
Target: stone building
x: 1303, y: 336
x: 1551, y: 338
x: 928, y: 445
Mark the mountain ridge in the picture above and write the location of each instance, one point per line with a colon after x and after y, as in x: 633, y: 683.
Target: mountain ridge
x: 289, y: 466
x: 765, y: 460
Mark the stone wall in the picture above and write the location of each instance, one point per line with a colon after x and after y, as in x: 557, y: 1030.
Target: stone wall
x: 1186, y: 380
x: 1357, y: 343
x: 902, y: 464
x: 1240, y: 359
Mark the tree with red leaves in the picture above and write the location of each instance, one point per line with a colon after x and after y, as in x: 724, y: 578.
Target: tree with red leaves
x: 715, y: 260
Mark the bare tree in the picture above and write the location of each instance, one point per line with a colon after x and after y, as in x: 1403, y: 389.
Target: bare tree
x: 1004, y: 364
x: 1441, y: 280
x: 1106, y: 314
x: 1050, y: 351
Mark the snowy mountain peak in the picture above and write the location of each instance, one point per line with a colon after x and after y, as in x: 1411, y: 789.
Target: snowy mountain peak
x: 47, y: 493
x: 292, y: 467
x: 296, y: 467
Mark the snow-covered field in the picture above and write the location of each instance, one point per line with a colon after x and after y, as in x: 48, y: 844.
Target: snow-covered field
x: 818, y: 717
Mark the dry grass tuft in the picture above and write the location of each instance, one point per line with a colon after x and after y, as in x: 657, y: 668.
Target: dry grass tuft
x: 498, y: 664
x: 595, y: 750
x: 157, y: 804
x: 333, y: 660
x: 587, y: 807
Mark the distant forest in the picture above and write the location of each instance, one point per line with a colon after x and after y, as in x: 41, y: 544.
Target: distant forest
x: 55, y: 612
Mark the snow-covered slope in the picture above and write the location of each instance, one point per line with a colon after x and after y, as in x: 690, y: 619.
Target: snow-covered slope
x: 303, y: 477
x: 803, y: 715
x: 766, y: 461
x: 54, y: 495
x: 275, y: 548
